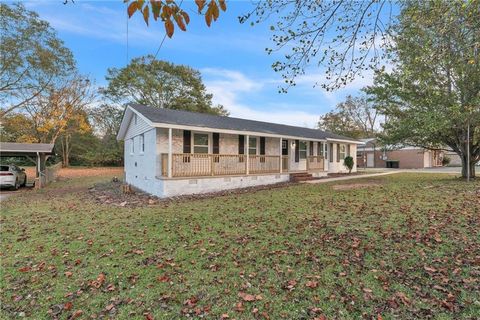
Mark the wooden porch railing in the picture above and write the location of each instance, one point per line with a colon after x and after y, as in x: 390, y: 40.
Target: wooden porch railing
x: 200, y: 164
x: 315, y: 163
x: 285, y: 165
x: 264, y: 164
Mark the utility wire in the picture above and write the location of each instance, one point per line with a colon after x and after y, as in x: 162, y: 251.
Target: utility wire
x: 127, y: 38
x: 165, y: 36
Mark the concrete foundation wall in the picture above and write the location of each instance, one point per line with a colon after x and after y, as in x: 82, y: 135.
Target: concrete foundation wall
x: 175, y: 187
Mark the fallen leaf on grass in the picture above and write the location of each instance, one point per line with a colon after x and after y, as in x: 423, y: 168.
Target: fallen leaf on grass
x: 148, y: 316
x: 312, y: 284
x: 249, y: 297
x: 163, y: 278
x: 25, y: 269
x: 76, y: 314
x: 68, y: 305
x: 239, y: 307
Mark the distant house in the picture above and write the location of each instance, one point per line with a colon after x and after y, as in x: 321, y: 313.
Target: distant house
x: 374, y: 155
x: 171, y: 152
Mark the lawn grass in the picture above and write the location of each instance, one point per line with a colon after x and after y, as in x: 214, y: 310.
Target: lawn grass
x: 408, y: 247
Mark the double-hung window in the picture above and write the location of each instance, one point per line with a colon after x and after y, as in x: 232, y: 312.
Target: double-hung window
x: 200, y: 143
x: 303, y: 150
x: 252, y: 145
x: 343, y: 151
x: 320, y: 149
x: 132, y: 145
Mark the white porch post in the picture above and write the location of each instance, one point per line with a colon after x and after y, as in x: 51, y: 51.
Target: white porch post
x: 248, y: 154
x: 169, y: 152
x: 280, y: 155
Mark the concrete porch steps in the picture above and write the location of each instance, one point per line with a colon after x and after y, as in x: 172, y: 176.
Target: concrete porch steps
x: 301, y: 176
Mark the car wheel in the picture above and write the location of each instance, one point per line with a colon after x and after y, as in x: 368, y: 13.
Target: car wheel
x: 24, y: 181
x: 17, y: 185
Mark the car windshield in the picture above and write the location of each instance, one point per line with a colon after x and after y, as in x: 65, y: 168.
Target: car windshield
x: 4, y: 168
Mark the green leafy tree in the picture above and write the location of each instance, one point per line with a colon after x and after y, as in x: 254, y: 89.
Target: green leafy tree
x: 33, y: 59
x: 160, y: 84
x: 432, y: 97
x: 355, y: 117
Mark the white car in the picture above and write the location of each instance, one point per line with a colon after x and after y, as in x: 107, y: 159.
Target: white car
x: 12, y: 176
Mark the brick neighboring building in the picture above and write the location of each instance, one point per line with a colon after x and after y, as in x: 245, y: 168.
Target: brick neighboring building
x: 372, y: 155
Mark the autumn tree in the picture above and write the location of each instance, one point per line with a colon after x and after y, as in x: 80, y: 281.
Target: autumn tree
x: 60, y: 112
x: 33, y: 59
x: 17, y: 127
x: 159, y: 84
x: 355, y: 117
x: 432, y: 97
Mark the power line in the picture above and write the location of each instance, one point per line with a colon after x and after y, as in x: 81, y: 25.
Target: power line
x: 127, y: 38
x: 165, y: 36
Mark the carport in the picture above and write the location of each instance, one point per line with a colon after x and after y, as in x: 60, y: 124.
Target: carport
x: 35, y: 152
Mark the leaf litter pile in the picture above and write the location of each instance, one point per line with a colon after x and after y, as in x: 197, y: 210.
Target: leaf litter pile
x: 407, y: 249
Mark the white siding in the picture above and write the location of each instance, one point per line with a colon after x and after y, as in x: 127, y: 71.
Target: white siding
x: 136, y: 129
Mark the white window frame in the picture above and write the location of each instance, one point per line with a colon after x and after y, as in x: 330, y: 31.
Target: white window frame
x: 321, y: 149
x: 132, y: 145
x: 142, y: 143
x: 343, y: 151
x: 300, y: 150
x: 252, y: 148
x: 207, y: 145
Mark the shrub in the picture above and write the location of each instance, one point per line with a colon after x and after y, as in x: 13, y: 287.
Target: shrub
x: 446, y: 161
x: 348, y: 163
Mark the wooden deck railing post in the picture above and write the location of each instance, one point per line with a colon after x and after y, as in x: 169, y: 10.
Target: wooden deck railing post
x: 280, y: 156
x: 170, y: 162
x: 248, y: 155
x: 212, y: 163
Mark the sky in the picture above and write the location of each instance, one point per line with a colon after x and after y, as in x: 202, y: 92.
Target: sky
x: 230, y: 56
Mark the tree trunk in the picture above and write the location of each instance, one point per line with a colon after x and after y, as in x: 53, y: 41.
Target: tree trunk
x: 67, y: 152
x: 465, y: 165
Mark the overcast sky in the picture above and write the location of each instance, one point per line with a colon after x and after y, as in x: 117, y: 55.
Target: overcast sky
x: 230, y: 56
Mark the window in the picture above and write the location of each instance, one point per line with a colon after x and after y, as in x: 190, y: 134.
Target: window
x: 320, y: 149
x: 303, y: 149
x: 142, y: 143
x: 284, y: 144
x: 135, y: 119
x: 132, y: 146
x: 343, y: 151
x: 252, y: 145
x: 200, y: 143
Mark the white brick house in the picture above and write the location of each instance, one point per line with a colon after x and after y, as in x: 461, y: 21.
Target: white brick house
x: 171, y: 152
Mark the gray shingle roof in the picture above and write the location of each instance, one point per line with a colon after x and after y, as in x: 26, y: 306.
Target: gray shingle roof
x: 178, y: 117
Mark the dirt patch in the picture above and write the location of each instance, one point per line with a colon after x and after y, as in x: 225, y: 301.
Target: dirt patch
x: 71, y: 173
x: 337, y: 175
x: 111, y: 194
x: 351, y: 186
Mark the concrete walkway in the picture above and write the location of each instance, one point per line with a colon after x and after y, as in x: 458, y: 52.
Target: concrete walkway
x: 360, y: 176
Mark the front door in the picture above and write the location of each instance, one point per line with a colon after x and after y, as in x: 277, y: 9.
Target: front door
x: 285, y: 165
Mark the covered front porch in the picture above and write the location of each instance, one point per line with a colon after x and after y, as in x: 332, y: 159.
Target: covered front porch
x: 210, y: 154
x: 197, y: 165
